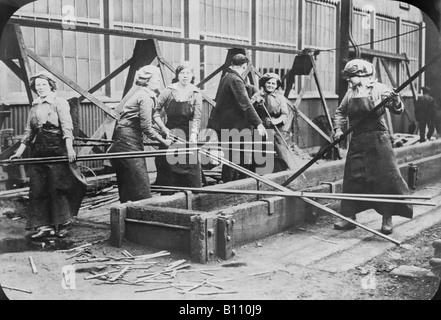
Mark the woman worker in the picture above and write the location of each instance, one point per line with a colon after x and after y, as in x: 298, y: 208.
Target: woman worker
x: 55, y: 194
x: 371, y: 165
x: 272, y: 109
x: 136, y: 119
x: 181, y: 104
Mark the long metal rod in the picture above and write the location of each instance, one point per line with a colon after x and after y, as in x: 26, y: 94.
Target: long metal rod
x: 324, y: 208
x: 115, y: 155
x: 281, y: 137
x: 280, y: 187
x: 157, y: 224
x: 351, y: 129
x: 293, y: 194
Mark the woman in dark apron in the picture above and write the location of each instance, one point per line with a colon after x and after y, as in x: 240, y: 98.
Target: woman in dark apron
x: 55, y: 192
x: 269, y: 100
x: 135, y: 119
x: 181, y: 105
x: 371, y: 166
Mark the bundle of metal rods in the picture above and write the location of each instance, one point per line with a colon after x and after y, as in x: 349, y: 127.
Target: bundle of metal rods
x: 101, y: 156
x: 307, y: 196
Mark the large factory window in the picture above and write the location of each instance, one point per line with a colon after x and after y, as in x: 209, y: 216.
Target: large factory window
x: 222, y: 21
x: 277, y: 26
x: 320, y: 30
x: 410, y: 44
x: 150, y: 16
x: 77, y: 55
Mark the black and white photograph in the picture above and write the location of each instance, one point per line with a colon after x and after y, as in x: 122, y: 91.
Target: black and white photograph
x: 220, y: 154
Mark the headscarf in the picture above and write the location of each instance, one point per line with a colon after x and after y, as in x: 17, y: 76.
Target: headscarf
x: 359, y: 68
x: 144, y: 74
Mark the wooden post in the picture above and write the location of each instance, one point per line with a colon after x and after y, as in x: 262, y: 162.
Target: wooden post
x: 322, y: 97
x: 198, y: 244
x: 117, y: 225
x: 225, y: 237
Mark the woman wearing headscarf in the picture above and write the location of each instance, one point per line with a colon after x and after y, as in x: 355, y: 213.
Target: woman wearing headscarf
x: 371, y: 166
x: 136, y: 119
x: 55, y: 190
x: 181, y: 104
x: 272, y: 109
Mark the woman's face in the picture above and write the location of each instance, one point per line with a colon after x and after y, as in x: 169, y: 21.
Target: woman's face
x: 42, y: 87
x: 185, y: 76
x: 154, y: 82
x: 271, y: 85
x: 354, y: 80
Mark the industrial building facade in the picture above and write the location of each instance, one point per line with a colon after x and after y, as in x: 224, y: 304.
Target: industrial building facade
x: 379, y: 28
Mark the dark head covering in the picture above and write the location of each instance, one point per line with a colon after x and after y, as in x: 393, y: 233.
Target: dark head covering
x: 268, y: 76
x: 43, y: 75
x: 239, y: 59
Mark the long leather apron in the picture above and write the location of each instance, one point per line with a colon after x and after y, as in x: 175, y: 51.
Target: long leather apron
x: 371, y: 166
x: 131, y: 174
x: 55, y: 194
x: 283, y: 160
x: 188, y: 174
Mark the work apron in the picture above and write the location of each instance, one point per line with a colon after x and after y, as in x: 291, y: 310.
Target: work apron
x: 371, y: 166
x: 283, y: 159
x: 131, y: 174
x: 55, y: 192
x: 188, y: 174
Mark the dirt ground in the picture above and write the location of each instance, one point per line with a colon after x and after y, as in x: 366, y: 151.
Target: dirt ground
x: 248, y: 276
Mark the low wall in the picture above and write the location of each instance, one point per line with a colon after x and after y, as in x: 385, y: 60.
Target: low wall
x: 209, y: 226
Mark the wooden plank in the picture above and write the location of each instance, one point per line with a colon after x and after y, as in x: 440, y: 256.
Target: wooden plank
x: 112, y: 75
x: 319, y: 88
x: 73, y: 85
x: 24, y: 62
x: 211, y: 76
x: 14, y: 68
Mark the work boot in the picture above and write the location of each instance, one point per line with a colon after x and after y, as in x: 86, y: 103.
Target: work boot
x: 386, y: 226
x: 345, y: 225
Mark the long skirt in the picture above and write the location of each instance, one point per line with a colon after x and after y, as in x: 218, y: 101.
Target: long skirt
x: 131, y: 174
x: 371, y: 168
x: 55, y: 193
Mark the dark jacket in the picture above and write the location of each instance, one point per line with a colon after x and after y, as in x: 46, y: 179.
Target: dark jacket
x: 233, y: 106
x: 425, y: 108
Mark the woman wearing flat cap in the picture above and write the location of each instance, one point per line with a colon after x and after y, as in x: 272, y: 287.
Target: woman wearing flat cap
x: 272, y: 109
x: 371, y: 166
x: 136, y: 119
x: 181, y: 104
x: 55, y: 191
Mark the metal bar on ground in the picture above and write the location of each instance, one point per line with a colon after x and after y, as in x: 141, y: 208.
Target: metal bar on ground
x: 334, y: 213
x: 273, y: 184
x: 291, y: 194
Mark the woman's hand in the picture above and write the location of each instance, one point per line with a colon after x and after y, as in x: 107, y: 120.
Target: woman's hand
x: 337, y: 135
x: 193, y: 138
x: 275, y: 121
x: 71, y: 154
x: 165, y: 132
x: 167, y: 143
x: 18, y: 153
x: 262, y: 131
